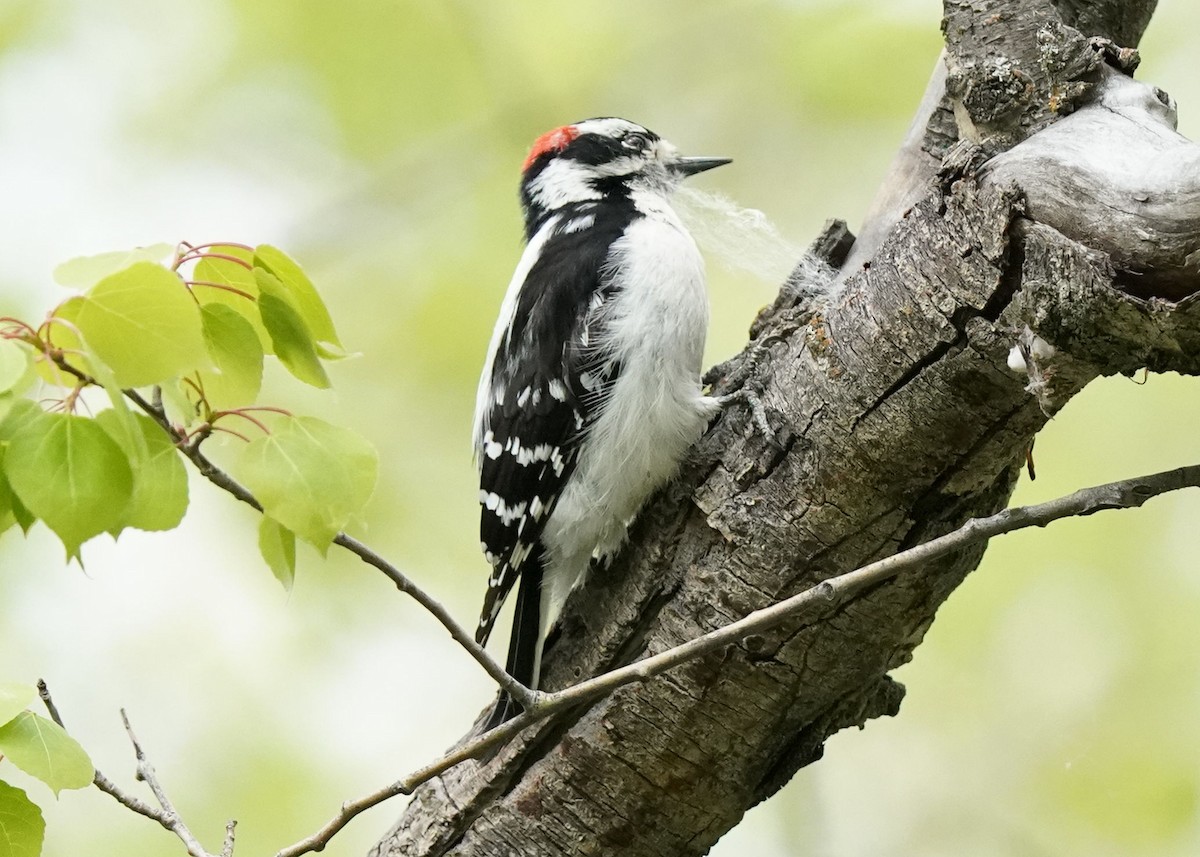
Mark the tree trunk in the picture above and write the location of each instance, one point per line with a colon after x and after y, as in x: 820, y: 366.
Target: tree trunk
x: 898, y: 418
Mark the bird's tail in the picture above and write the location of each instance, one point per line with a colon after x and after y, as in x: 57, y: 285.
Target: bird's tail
x: 525, y: 642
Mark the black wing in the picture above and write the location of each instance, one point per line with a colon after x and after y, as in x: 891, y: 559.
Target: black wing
x: 538, y: 404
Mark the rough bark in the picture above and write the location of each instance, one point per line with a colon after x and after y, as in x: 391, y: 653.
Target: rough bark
x: 1019, y: 81
x: 897, y: 418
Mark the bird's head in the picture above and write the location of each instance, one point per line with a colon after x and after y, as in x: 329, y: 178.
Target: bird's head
x: 599, y: 159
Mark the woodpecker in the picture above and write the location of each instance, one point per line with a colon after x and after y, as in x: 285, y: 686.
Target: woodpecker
x: 591, y: 390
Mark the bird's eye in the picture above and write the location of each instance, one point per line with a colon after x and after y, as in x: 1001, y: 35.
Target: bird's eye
x: 635, y: 142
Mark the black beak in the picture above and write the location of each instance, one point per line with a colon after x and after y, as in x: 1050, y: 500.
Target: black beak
x: 691, y: 166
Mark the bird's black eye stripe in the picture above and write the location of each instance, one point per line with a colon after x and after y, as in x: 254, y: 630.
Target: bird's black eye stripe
x: 635, y: 141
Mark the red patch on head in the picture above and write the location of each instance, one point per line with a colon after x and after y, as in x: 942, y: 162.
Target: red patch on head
x: 551, y: 141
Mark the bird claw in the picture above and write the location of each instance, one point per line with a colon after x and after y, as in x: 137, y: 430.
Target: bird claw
x: 747, y: 390
x: 748, y: 395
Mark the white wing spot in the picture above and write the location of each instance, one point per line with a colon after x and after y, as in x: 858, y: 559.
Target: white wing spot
x: 507, y: 514
x: 491, y: 447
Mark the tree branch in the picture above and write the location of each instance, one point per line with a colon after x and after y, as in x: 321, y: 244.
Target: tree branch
x: 826, y: 596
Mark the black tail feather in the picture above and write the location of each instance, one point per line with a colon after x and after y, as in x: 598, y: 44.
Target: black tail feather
x: 523, y: 644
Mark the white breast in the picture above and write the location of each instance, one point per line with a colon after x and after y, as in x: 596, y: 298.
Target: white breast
x: 657, y: 325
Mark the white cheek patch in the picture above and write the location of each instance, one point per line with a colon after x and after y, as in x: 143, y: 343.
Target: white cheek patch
x: 562, y: 181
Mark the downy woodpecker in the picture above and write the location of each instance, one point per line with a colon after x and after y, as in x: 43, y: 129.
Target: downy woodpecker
x: 591, y: 391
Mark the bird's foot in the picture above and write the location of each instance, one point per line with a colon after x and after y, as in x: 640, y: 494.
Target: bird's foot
x: 749, y: 395
x: 739, y: 374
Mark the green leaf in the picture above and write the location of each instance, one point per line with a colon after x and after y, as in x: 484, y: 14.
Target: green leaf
x: 24, y: 518
x: 7, y: 518
x: 16, y: 365
x: 277, y: 544
x: 144, y: 324
x: 293, y: 341
x: 62, y: 334
x: 22, y: 412
x: 160, y: 487
x: 84, y: 271
x: 223, y: 272
x: 179, y: 403
x: 305, y: 298
x: 22, y: 828
x: 43, y: 749
x: 67, y: 471
x: 122, y: 426
x: 237, y: 355
x: 14, y: 698
x: 310, y: 476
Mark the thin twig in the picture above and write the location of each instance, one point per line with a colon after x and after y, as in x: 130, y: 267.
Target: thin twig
x: 230, y: 829
x: 104, y: 783
x: 145, y: 772
x: 1127, y: 493
x: 522, y: 694
x: 51, y: 708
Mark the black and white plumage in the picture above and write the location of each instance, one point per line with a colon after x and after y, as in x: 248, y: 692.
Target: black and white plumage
x: 591, y: 391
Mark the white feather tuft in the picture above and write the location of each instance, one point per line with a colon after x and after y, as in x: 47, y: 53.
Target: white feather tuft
x: 740, y: 239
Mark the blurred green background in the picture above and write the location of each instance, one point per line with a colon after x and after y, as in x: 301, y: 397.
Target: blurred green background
x: 1055, y: 708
